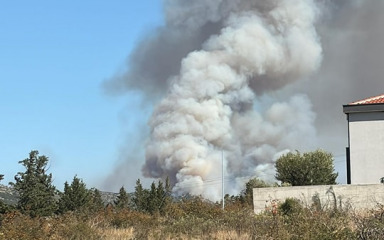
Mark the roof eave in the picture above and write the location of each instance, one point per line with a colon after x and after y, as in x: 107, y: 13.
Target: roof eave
x: 361, y: 108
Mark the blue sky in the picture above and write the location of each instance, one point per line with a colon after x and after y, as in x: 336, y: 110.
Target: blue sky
x: 54, y: 57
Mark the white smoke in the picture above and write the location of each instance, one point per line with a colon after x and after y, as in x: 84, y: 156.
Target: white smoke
x: 260, y: 111
x: 210, y: 105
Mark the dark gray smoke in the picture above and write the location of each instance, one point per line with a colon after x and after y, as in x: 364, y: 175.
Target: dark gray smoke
x: 353, y: 67
x: 244, y: 77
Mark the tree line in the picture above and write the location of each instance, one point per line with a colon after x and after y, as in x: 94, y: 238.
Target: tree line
x: 39, y: 197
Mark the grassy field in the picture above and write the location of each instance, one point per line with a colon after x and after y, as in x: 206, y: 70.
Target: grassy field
x: 198, y: 219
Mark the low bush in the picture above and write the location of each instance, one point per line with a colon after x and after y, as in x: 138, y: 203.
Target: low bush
x: 371, y: 224
x: 290, y: 206
x: 195, y: 219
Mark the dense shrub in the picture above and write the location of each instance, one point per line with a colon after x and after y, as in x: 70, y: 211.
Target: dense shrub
x: 290, y: 206
x: 20, y: 226
x: 371, y: 224
x: 76, y: 227
x: 196, y: 218
x: 68, y: 226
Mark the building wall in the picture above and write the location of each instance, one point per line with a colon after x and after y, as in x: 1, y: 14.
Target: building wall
x: 366, y: 133
x: 357, y: 197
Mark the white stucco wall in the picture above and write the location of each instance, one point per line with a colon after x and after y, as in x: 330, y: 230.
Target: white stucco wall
x: 366, y: 133
x: 357, y: 197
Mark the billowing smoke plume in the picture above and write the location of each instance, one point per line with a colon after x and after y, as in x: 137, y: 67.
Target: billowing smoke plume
x: 209, y: 107
x: 352, y: 37
x: 227, y: 76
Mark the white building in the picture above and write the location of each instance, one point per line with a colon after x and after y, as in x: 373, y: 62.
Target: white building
x: 365, y: 151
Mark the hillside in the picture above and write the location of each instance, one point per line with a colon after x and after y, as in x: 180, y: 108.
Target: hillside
x: 9, y: 196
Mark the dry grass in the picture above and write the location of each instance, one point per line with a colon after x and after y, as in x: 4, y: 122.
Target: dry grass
x: 118, y: 234
x: 224, y: 235
x: 195, y: 220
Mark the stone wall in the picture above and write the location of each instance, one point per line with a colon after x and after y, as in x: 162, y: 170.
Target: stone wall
x: 357, y: 197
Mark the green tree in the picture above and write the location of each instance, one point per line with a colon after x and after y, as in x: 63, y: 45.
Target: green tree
x: 75, y: 196
x: 35, y: 188
x: 153, y: 200
x: 140, y: 197
x: 96, y: 201
x: 247, y: 195
x: 311, y: 168
x: 161, y: 196
x: 122, y: 200
x: 168, y: 189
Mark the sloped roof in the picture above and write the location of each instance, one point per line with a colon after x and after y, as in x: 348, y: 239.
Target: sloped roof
x: 372, y: 100
x: 372, y: 104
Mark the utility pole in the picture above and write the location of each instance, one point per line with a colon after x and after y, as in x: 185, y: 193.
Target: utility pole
x: 222, y: 177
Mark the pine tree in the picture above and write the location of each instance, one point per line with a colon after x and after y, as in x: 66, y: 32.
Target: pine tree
x: 35, y: 188
x: 96, y: 202
x: 75, y: 196
x: 122, y: 200
x: 161, y: 196
x: 140, y: 197
x: 152, y: 200
x: 168, y: 191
